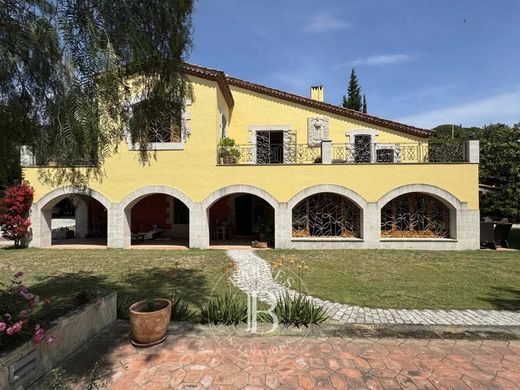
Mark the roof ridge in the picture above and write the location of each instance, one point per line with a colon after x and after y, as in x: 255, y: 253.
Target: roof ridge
x: 225, y: 81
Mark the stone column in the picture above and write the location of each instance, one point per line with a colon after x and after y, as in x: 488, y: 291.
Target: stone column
x: 199, y: 227
x: 472, y: 150
x: 371, y: 226
x: 118, y: 230
x: 326, y: 152
x: 282, y: 226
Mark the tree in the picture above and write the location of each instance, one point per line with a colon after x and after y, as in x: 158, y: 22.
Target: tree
x: 66, y: 74
x: 353, y: 98
x: 364, y: 104
x: 14, y: 215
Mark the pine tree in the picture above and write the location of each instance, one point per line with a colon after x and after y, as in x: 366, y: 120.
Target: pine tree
x: 364, y: 104
x: 353, y: 98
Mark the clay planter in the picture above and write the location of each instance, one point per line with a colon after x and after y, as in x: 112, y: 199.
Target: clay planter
x: 150, y: 328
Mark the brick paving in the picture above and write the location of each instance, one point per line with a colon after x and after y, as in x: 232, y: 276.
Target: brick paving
x: 195, y: 360
x: 254, y: 274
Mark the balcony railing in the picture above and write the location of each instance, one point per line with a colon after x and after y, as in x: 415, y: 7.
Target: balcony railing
x: 346, y: 153
x: 449, y: 152
x: 29, y: 159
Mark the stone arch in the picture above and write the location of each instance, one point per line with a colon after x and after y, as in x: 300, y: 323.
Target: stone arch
x: 41, y: 213
x: 331, y: 188
x: 135, y: 196
x: 240, y: 188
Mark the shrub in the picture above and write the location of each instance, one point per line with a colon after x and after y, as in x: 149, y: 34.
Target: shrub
x: 228, y: 151
x: 297, y: 311
x: 14, y: 216
x: 181, y: 311
x: 229, y: 308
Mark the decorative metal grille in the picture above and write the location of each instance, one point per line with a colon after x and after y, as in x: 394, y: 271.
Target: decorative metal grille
x: 306, y: 154
x: 415, y: 215
x: 326, y: 215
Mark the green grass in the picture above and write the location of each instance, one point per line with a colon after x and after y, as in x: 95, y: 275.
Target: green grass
x: 134, y: 274
x: 411, y: 279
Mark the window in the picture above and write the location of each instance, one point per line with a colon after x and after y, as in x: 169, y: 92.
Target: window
x: 223, y: 125
x: 326, y: 215
x: 385, y: 155
x: 154, y: 124
x: 362, y: 148
x: 269, y: 147
x: 415, y: 215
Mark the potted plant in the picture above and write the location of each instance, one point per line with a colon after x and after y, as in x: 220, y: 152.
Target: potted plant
x: 149, y: 321
x: 228, y: 152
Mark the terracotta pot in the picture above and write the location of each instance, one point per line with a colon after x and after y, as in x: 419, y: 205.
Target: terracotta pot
x: 150, y: 328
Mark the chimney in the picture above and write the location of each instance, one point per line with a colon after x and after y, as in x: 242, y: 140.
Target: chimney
x: 317, y: 93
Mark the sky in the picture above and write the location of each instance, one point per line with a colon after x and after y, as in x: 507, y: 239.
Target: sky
x: 420, y: 62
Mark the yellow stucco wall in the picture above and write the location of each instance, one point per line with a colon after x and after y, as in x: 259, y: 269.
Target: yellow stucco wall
x: 194, y: 170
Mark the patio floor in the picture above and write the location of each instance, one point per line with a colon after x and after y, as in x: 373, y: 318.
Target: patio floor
x: 195, y: 359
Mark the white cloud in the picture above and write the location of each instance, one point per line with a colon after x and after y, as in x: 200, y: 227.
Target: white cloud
x: 385, y: 59
x: 325, y: 23
x: 503, y: 108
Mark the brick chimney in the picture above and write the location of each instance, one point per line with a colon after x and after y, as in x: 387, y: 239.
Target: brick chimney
x: 317, y: 93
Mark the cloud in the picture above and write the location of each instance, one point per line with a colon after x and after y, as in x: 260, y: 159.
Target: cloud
x: 502, y: 108
x: 385, y: 59
x: 325, y: 23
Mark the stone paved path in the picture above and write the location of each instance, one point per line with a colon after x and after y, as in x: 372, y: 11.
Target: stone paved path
x: 199, y: 361
x: 253, y: 274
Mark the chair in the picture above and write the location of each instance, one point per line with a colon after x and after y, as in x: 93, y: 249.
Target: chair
x: 501, y: 233
x: 487, y: 235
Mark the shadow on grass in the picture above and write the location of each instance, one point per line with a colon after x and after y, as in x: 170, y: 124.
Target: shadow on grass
x: 505, y: 298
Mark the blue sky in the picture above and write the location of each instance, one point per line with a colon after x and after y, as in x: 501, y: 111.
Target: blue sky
x: 422, y: 62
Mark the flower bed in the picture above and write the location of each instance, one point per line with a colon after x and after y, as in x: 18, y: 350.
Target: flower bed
x: 46, y: 348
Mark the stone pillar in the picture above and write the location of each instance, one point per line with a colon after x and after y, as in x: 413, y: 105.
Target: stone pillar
x: 371, y: 226
x: 467, y: 228
x: 199, y: 227
x: 41, y: 228
x: 472, y: 150
x: 326, y: 152
x: 118, y: 230
x: 282, y: 226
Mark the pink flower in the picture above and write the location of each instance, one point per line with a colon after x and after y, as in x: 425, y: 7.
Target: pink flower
x: 38, y: 334
x: 51, y: 339
x: 15, y: 328
x: 7, y: 316
x: 19, y: 274
x: 3, y: 325
x: 28, y: 296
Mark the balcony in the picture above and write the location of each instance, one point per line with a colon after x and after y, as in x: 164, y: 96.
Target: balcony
x: 350, y: 153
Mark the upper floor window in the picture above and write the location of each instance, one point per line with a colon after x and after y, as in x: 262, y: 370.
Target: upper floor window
x: 155, y: 122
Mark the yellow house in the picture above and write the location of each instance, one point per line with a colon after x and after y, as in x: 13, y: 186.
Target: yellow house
x: 302, y: 173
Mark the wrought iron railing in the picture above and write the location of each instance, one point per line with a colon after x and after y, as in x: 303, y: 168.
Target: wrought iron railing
x: 29, y: 159
x: 449, y: 152
x: 271, y: 154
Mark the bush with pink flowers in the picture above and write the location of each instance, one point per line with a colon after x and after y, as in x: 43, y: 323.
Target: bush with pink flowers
x: 17, y: 304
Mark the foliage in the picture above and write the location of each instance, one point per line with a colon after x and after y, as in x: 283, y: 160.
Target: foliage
x: 499, y: 164
x: 14, y: 213
x: 181, y: 310
x: 365, y: 109
x: 228, y: 151
x: 353, y: 100
x: 263, y: 228
x: 66, y: 73
x: 229, y: 308
x: 297, y: 311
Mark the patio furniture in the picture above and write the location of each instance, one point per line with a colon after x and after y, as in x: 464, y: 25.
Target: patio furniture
x: 487, y: 235
x: 501, y: 233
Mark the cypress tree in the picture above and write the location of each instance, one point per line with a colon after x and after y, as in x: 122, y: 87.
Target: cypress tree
x: 353, y: 98
x: 364, y: 104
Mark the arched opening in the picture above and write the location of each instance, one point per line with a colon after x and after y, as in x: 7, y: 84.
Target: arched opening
x: 158, y: 219
x: 416, y: 215
x: 240, y: 219
x: 77, y: 219
x: 326, y: 215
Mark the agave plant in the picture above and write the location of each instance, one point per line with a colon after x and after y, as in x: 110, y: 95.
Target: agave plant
x: 297, y: 311
x: 229, y: 308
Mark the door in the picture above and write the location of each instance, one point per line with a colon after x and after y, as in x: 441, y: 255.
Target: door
x: 269, y: 147
x: 244, y: 215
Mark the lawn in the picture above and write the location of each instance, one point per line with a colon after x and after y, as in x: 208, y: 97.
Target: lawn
x: 134, y: 274
x: 411, y: 279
